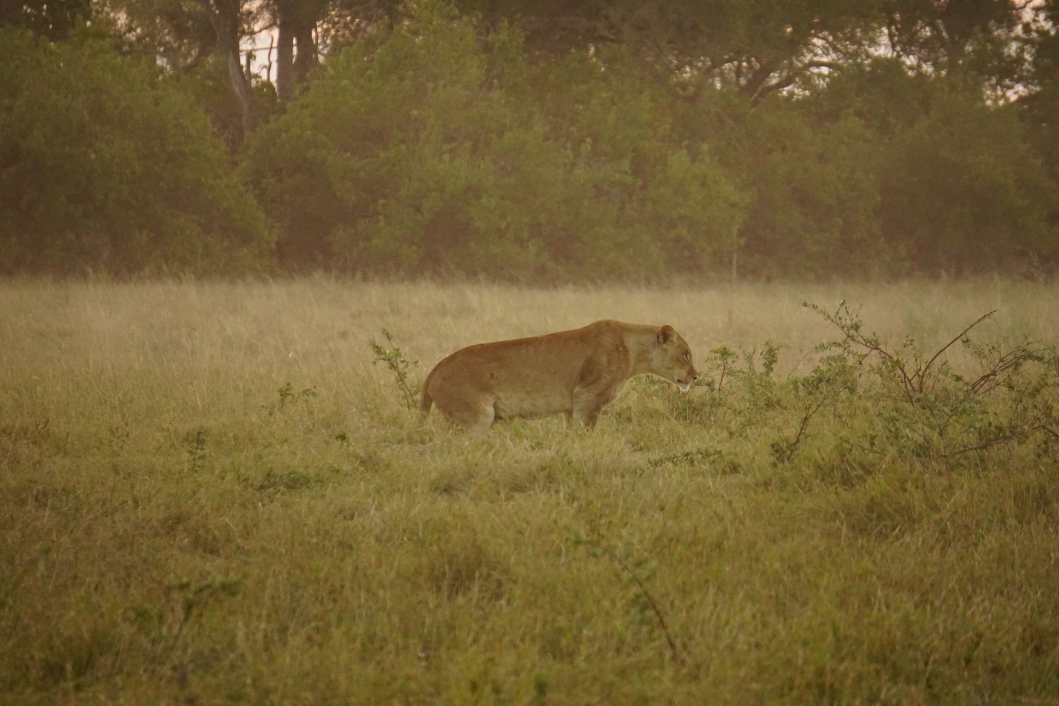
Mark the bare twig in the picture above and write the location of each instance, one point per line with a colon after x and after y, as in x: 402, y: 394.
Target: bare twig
x: 921, y: 374
x: 1007, y: 439
x: 651, y: 601
x: 809, y: 414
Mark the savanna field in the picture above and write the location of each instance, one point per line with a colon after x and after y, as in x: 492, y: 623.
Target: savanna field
x: 216, y: 493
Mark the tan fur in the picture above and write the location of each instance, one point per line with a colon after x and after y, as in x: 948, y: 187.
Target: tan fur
x: 574, y: 372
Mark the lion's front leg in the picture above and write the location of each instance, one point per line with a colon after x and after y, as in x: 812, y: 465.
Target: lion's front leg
x: 600, y: 381
x: 589, y: 401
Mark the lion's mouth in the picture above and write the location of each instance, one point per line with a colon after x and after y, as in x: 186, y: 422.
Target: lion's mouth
x: 684, y: 384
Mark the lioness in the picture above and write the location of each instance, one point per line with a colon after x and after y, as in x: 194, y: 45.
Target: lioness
x: 575, y: 372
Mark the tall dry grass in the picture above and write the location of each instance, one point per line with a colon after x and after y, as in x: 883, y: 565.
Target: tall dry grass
x: 208, y: 494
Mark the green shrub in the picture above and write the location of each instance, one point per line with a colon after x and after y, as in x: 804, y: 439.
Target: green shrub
x: 438, y: 151
x: 105, y: 165
x: 963, y: 191
x: 958, y: 187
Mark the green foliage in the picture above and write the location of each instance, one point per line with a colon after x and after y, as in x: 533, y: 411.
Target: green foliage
x: 816, y: 193
x: 962, y: 190
x: 923, y: 407
x: 657, y: 198
x: 738, y: 393
x: 886, y: 402
x: 955, y: 185
x: 435, y: 151
x: 556, y: 141
x: 287, y: 397
x: 209, y: 86
x: 106, y: 165
x: 1039, y: 110
x: 393, y: 358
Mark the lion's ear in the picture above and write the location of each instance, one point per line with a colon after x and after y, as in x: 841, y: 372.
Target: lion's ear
x: 666, y: 334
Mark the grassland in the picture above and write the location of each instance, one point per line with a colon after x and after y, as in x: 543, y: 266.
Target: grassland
x: 210, y: 495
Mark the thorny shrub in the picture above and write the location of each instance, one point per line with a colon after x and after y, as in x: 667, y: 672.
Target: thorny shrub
x: 921, y: 405
x: 887, y: 400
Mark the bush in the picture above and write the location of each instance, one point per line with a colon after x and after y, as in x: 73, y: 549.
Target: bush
x: 440, y: 151
x: 963, y: 191
x: 105, y: 165
x: 958, y: 187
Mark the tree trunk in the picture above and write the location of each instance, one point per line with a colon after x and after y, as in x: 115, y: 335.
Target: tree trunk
x: 285, y: 61
x: 243, y: 93
x: 307, y: 59
x: 296, y: 21
x: 224, y: 18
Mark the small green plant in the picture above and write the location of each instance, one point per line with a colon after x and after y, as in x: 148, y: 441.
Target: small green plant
x: 740, y: 386
x: 286, y: 393
x: 196, y: 442
x: 396, y: 362
x: 644, y: 602
x: 273, y: 483
x: 828, y: 382
x: 192, y: 597
x: 288, y: 396
x: 721, y: 361
x: 769, y: 357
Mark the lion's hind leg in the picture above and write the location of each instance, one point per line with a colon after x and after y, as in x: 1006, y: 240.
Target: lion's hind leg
x: 475, y: 411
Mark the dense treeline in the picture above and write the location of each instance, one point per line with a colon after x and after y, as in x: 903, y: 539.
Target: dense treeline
x: 516, y: 139
x: 105, y: 165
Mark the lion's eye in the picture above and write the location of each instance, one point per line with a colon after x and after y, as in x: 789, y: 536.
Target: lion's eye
x: 687, y: 356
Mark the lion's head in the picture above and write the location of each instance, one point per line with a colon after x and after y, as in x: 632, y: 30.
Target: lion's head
x: 671, y: 358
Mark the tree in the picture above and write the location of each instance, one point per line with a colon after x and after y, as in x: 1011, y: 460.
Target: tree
x: 54, y: 19
x: 295, y: 21
x: 226, y: 18
x: 694, y: 45
x: 952, y: 35
x: 184, y: 35
x: 432, y: 150
x: 1039, y: 102
x: 107, y: 165
x: 963, y: 191
x: 961, y: 188
x: 814, y: 210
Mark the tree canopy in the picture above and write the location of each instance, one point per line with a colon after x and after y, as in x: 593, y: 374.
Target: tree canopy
x: 561, y: 139
x: 107, y: 165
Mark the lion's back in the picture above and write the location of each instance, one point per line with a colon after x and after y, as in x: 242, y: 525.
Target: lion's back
x: 527, y: 376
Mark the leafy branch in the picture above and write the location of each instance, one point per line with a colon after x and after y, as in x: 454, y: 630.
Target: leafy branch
x: 915, y: 374
x: 396, y: 362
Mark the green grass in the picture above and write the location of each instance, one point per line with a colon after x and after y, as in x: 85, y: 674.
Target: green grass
x: 209, y: 495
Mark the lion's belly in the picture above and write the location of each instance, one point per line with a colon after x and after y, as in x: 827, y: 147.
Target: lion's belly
x: 538, y: 403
